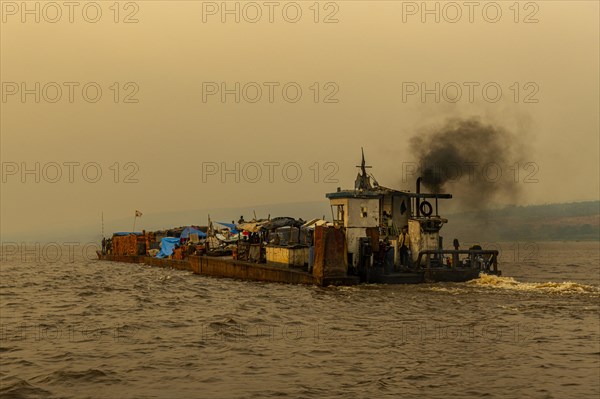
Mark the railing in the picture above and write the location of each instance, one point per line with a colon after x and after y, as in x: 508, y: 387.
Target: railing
x: 491, y: 261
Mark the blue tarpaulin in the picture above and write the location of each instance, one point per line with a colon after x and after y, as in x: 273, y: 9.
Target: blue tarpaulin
x: 230, y: 226
x: 191, y: 230
x: 166, y: 246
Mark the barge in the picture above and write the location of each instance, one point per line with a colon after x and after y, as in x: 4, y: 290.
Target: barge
x: 377, y: 235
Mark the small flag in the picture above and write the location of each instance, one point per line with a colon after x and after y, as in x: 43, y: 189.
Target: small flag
x: 138, y: 214
x: 402, y: 208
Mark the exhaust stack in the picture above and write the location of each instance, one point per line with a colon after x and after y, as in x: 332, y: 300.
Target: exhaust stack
x: 418, y: 199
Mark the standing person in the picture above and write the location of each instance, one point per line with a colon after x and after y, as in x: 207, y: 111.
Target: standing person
x: 103, y: 245
x: 404, y: 245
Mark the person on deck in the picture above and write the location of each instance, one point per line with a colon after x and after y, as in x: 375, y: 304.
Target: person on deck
x: 404, y: 245
x: 456, y: 244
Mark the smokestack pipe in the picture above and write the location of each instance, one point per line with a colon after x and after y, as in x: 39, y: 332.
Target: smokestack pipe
x: 418, y: 192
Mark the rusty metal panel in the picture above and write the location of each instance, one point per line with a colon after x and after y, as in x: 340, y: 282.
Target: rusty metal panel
x: 330, y: 253
x: 373, y: 234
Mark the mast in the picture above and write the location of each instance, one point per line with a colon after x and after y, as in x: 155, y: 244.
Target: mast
x: 363, y: 181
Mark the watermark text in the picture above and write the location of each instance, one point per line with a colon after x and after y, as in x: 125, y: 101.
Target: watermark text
x: 269, y: 172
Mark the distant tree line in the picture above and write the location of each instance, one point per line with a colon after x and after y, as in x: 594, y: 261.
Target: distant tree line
x: 534, y: 222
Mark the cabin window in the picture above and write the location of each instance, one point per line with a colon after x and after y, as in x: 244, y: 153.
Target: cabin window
x: 338, y: 214
x: 363, y: 211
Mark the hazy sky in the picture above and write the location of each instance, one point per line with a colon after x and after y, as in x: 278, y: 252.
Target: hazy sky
x: 162, y: 123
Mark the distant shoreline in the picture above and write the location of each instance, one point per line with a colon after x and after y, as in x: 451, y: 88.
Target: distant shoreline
x: 575, y: 221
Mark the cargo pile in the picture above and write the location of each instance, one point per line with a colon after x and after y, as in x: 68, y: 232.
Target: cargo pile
x: 288, y: 241
x: 128, y: 244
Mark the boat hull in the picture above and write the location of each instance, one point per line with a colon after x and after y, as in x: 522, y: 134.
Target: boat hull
x: 230, y: 268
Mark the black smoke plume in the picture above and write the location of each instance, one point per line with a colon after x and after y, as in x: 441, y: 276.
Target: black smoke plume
x: 473, y: 161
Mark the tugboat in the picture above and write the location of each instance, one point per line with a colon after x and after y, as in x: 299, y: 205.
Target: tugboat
x: 377, y: 235
x: 394, y: 237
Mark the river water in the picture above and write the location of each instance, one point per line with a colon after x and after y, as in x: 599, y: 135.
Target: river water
x: 80, y: 328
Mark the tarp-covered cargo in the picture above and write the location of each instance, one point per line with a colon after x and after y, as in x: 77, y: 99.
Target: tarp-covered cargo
x: 167, y: 245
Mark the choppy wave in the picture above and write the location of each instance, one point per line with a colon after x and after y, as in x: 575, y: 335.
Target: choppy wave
x: 17, y: 388
x: 448, y: 290
x: 69, y: 377
x: 566, y: 287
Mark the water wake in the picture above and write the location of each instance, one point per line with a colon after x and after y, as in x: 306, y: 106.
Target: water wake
x: 566, y: 287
